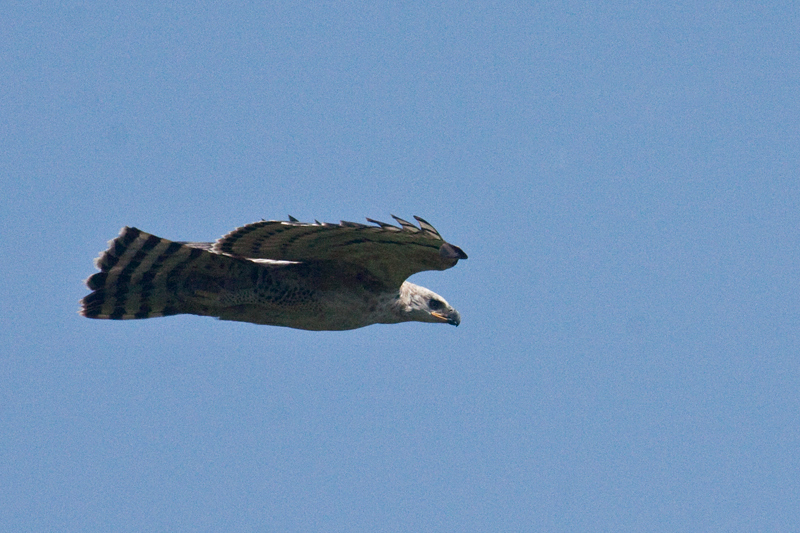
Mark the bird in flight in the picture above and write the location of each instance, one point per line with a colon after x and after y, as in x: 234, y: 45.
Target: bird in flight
x: 316, y: 276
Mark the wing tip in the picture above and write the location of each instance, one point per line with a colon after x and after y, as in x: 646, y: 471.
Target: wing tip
x: 451, y: 251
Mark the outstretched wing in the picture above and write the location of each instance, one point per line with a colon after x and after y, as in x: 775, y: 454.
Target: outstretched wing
x: 389, y: 252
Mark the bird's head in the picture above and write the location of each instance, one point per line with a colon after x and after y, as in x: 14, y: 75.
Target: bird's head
x: 423, y: 305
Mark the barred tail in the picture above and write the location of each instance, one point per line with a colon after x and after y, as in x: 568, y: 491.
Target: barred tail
x: 144, y: 276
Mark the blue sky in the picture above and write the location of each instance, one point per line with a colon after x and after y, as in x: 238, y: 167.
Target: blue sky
x: 625, y: 178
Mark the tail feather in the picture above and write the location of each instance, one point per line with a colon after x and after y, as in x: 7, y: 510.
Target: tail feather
x: 144, y: 276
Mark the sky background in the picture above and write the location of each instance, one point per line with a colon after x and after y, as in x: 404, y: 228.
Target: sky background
x: 625, y: 178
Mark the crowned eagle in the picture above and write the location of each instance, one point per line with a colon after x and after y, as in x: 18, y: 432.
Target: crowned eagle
x: 316, y: 276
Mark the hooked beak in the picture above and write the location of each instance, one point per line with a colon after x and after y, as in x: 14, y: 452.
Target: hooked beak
x: 451, y: 318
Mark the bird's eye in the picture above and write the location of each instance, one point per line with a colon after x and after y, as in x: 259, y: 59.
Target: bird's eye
x: 435, y: 304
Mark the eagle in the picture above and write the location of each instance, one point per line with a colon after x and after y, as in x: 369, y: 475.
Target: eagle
x: 319, y: 276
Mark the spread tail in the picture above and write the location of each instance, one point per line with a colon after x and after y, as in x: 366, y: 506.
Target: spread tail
x: 144, y: 276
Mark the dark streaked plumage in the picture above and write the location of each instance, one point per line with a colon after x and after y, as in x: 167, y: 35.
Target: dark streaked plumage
x: 310, y: 276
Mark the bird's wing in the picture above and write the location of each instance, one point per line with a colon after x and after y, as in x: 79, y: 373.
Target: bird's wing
x: 388, y: 252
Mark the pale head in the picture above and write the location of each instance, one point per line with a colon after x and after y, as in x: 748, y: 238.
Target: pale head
x: 415, y: 303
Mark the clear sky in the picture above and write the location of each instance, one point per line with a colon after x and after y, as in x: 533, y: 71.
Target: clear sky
x: 625, y: 178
